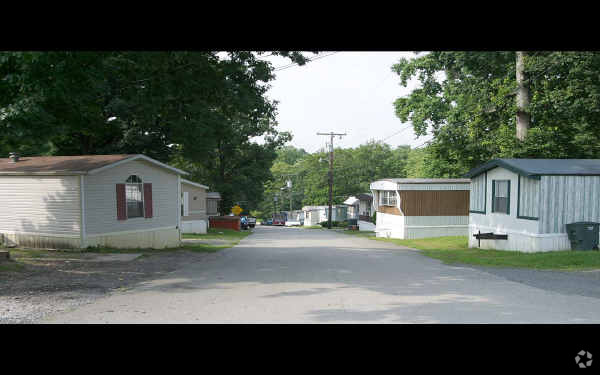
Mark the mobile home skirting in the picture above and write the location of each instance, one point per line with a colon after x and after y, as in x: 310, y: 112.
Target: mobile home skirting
x: 411, y: 227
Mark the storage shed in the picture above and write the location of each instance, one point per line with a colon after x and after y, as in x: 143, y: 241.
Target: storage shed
x: 194, y: 217
x: 91, y: 200
x: 524, y: 204
x: 418, y: 208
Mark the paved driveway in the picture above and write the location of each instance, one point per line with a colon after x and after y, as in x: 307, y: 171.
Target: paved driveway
x: 291, y: 275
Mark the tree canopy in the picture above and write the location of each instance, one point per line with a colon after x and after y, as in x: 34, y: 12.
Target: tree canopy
x: 466, y: 100
x: 197, y: 110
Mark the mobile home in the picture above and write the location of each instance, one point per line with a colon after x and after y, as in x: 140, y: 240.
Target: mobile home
x: 419, y: 208
x: 524, y: 204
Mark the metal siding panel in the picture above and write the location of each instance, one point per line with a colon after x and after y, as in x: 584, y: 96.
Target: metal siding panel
x: 40, y: 204
x: 100, y: 198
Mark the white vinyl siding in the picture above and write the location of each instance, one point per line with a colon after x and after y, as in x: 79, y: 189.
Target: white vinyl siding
x: 529, y: 194
x: 194, y: 198
x: 477, y: 194
x: 212, y: 206
x: 101, y: 201
x: 186, y: 203
x: 40, y: 204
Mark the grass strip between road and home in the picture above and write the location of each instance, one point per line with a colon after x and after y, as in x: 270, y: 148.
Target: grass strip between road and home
x: 219, y: 234
x: 20, y: 257
x: 455, y: 250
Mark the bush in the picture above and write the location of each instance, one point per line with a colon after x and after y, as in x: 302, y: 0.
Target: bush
x: 334, y: 224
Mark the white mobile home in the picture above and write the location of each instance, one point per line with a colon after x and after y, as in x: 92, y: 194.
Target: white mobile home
x: 194, y: 217
x: 313, y: 215
x: 92, y: 200
x: 525, y: 203
x: 419, y: 208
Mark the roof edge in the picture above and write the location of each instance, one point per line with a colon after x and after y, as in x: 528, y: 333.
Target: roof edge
x: 194, y: 183
x: 499, y: 163
x: 136, y: 157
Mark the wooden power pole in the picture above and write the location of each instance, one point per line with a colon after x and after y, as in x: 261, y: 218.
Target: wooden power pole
x: 523, y: 116
x: 332, y: 134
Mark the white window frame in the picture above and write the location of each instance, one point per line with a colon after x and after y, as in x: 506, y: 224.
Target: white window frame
x: 387, y: 198
x: 141, y: 187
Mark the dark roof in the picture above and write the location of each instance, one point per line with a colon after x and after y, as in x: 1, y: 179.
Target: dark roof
x: 542, y: 167
x: 428, y: 180
x: 59, y: 164
x: 365, y: 196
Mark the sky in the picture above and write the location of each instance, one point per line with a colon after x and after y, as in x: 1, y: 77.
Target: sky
x: 347, y: 92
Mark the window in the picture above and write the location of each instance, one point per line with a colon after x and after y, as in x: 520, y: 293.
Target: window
x: 501, y: 196
x: 134, y: 197
x: 387, y: 198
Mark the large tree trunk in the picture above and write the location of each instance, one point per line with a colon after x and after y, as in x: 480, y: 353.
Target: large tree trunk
x: 523, y: 116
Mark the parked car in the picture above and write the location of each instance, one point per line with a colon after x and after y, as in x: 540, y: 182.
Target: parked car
x: 251, y: 221
x: 268, y: 222
x: 279, y: 219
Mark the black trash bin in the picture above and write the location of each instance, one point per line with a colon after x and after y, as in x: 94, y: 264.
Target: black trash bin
x: 583, y: 235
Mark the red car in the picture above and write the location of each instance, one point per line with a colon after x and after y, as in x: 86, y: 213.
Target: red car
x: 278, y: 219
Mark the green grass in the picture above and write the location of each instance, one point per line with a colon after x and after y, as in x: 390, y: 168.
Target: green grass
x: 219, y: 234
x: 357, y: 233
x: 11, y: 266
x: 455, y: 250
x: 312, y: 227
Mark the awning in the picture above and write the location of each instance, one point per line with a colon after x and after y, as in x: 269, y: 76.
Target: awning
x: 351, y: 201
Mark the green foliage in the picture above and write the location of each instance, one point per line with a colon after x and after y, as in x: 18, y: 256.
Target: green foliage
x: 466, y: 100
x: 354, y: 170
x: 336, y: 224
x: 197, y: 110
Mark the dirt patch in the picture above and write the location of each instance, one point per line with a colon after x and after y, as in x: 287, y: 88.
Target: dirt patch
x: 47, y: 285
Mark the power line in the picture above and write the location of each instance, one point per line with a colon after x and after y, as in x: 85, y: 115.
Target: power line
x: 294, y: 64
x: 396, y: 133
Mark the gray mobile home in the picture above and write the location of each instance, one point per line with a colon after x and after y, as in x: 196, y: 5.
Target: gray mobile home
x: 527, y: 202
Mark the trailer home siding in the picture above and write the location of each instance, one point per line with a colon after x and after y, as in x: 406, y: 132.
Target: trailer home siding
x: 567, y: 199
x: 101, y: 200
x: 40, y: 210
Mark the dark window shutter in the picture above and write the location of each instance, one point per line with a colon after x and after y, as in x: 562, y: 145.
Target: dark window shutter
x: 147, y: 200
x: 121, y: 202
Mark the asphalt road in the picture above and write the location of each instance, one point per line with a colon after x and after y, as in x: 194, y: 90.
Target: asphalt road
x: 291, y: 275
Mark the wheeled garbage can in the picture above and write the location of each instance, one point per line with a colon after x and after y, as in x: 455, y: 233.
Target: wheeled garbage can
x: 583, y: 235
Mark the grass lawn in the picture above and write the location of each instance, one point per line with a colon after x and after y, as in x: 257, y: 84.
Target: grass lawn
x: 454, y: 250
x: 11, y: 266
x: 22, y: 256
x: 219, y: 234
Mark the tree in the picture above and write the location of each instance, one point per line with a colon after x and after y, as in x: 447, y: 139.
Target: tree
x: 466, y: 100
x: 195, y: 109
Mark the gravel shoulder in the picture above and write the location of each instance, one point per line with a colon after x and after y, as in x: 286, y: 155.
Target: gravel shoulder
x: 61, y: 282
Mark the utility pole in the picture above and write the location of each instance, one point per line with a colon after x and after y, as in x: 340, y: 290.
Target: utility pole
x: 523, y: 116
x: 331, y: 134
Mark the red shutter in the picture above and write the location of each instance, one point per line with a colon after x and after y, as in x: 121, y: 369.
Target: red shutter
x: 147, y: 200
x: 121, y: 202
